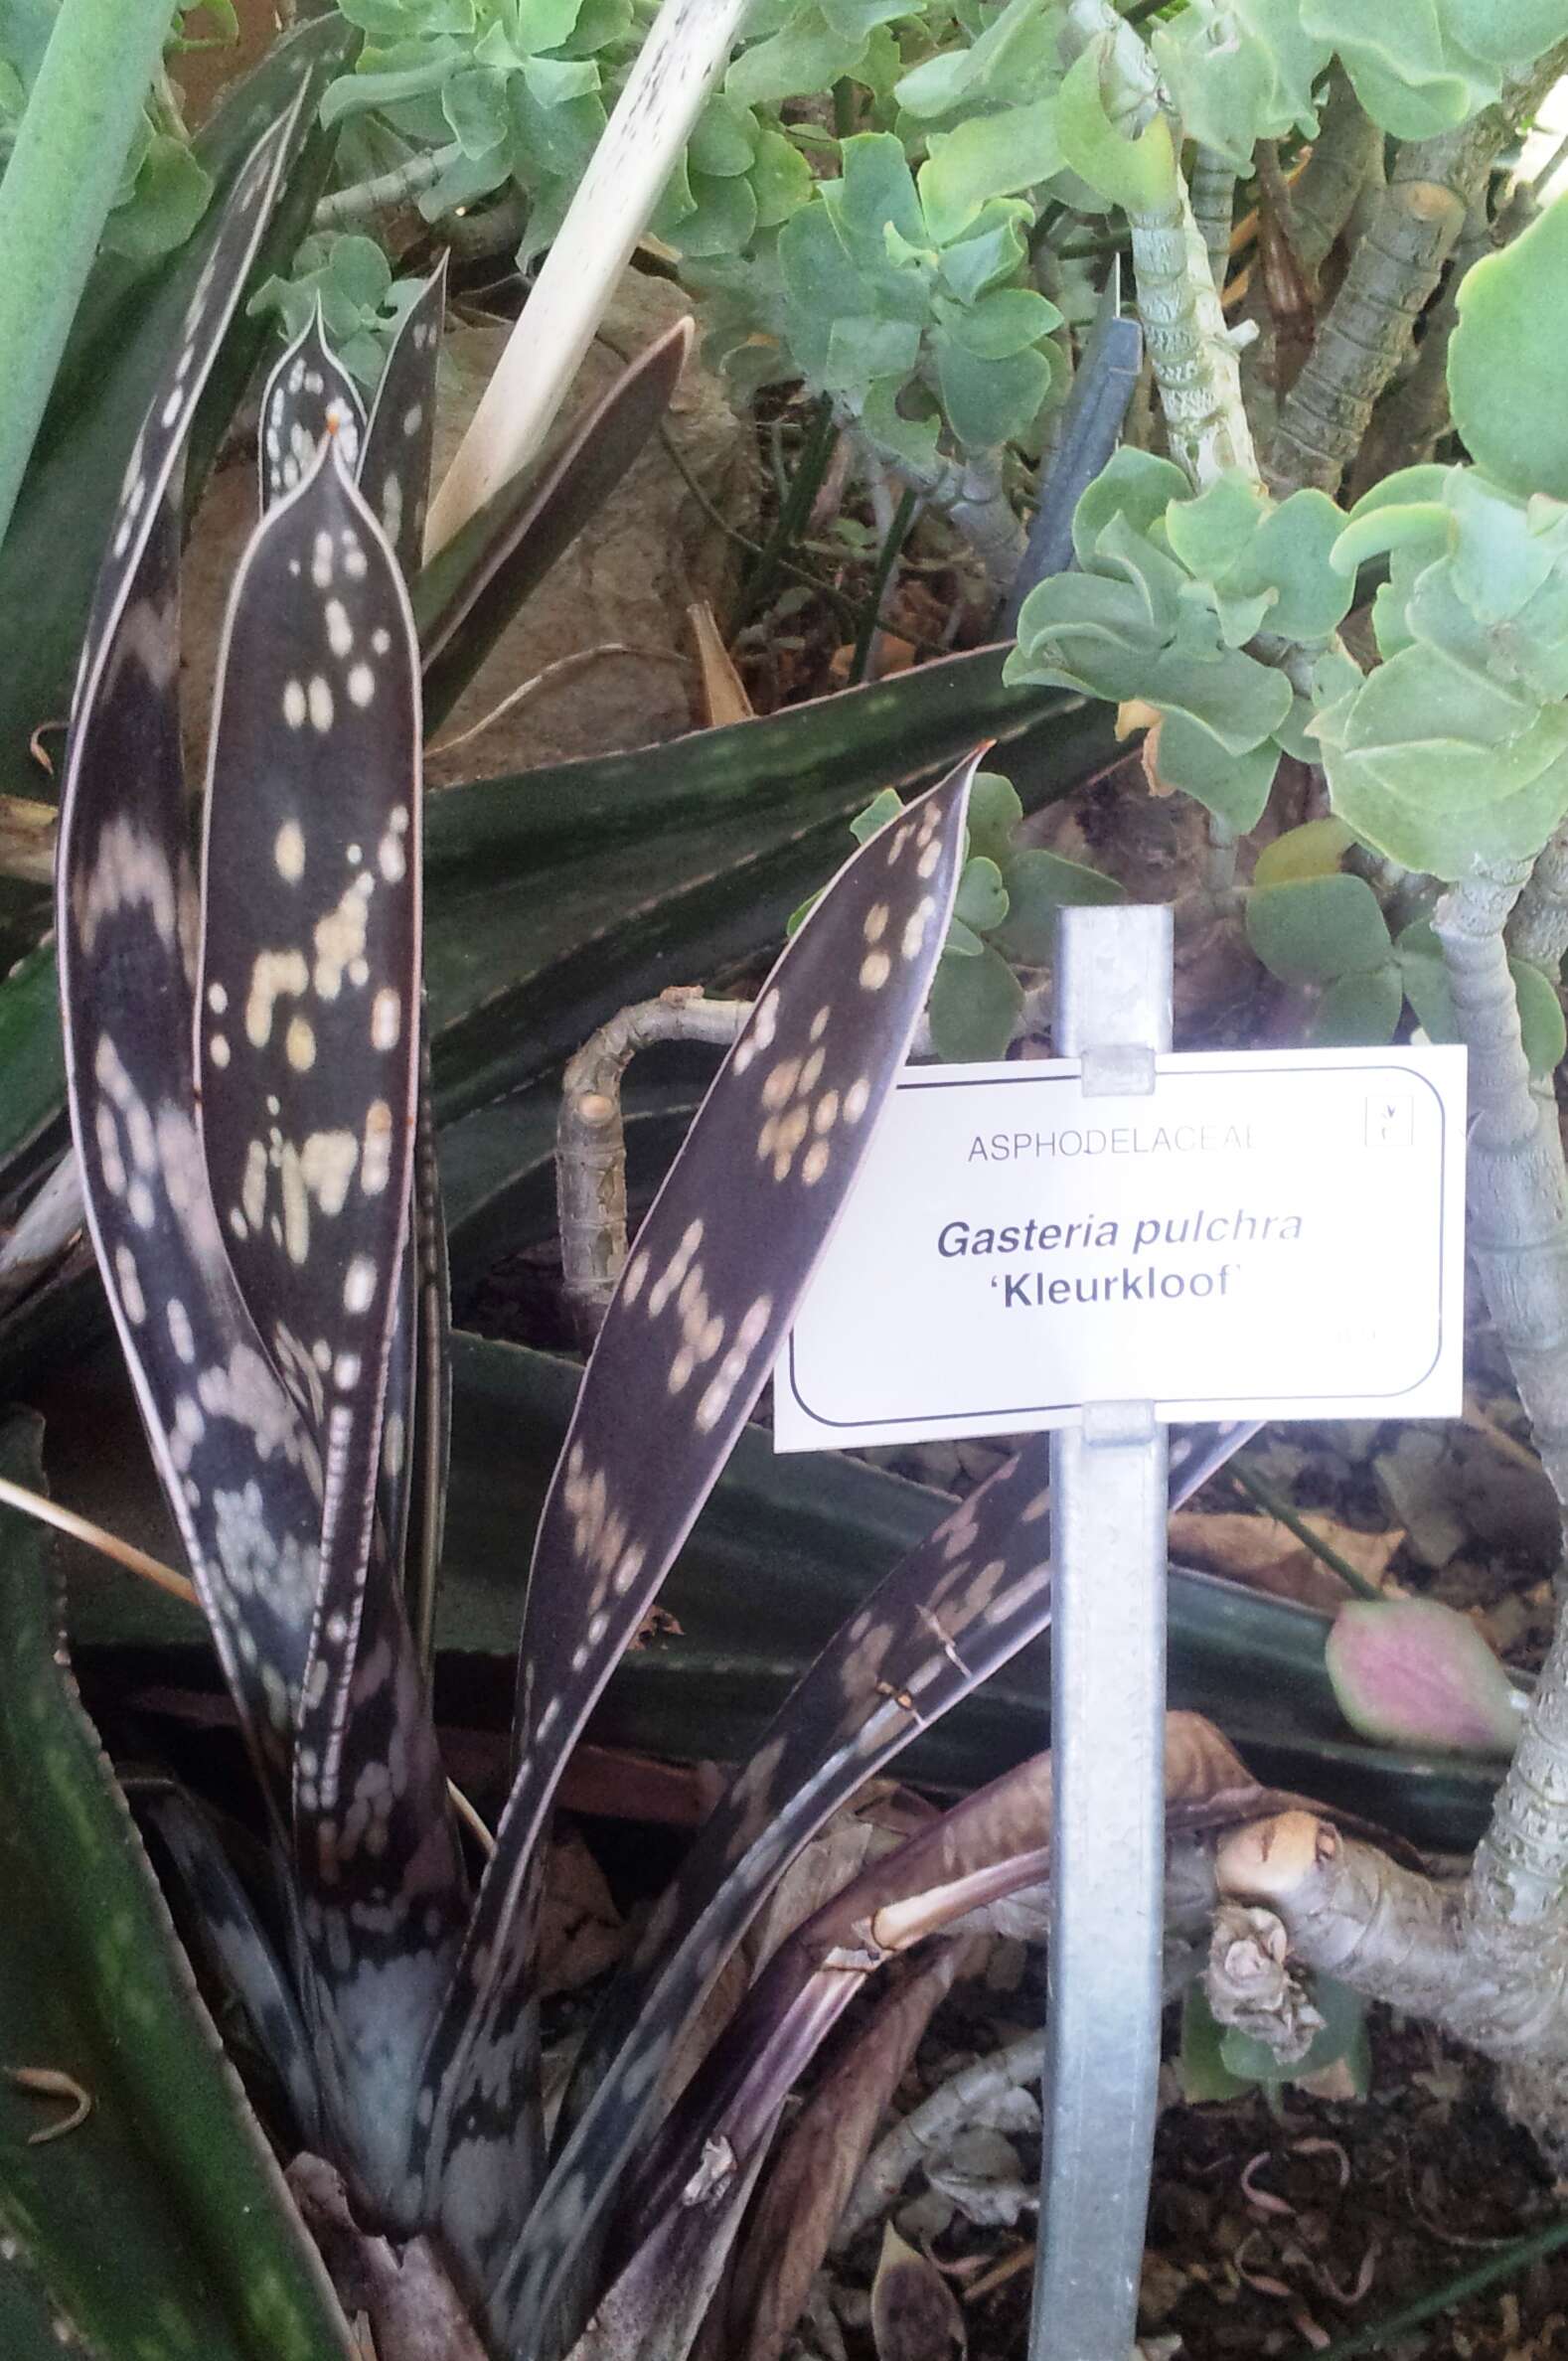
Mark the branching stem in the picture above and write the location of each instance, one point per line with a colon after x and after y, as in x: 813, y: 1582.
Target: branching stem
x: 1187, y: 342
x: 1393, y: 272
x: 384, y: 189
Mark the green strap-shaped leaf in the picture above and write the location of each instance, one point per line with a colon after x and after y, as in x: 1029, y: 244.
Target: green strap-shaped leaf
x: 158, y: 2224
x: 31, y: 2327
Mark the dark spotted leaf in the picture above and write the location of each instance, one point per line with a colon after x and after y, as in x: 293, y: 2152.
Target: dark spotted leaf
x: 238, y: 1947
x: 471, y: 588
x: 689, y: 1340
x: 993, y: 1844
x: 395, y: 466
x: 237, y: 1467
x: 309, y: 1019
x: 308, y: 398
x: 427, y: 1450
x: 157, y: 2223
x: 952, y: 1613
x: 127, y: 326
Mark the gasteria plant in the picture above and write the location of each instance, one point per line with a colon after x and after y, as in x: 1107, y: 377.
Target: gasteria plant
x: 242, y: 1059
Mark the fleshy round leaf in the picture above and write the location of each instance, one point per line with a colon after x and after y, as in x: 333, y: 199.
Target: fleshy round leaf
x: 1314, y: 850
x: 1509, y: 357
x: 1139, y: 173
x: 1235, y: 786
x: 1317, y: 929
x: 975, y: 1003
x: 1360, y: 1012
x: 1041, y: 884
x: 1413, y: 1672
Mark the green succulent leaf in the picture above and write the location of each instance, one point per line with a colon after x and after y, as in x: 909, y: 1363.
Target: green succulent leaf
x: 1317, y: 928
x: 982, y: 901
x: 994, y: 810
x: 1001, y: 324
x: 990, y: 155
x: 1133, y: 484
x: 1240, y: 73
x: 1040, y: 883
x: 989, y: 401
x: 1507, y: 355
x: 1139, y: 173
x: 1290, y: 554
x: 1342, y: 2035
x: 1235, y: 786
x: 1314, y: 850
x: 1212, y: 532
x: 1205, y: 2078
x: 1003, y: 56
x: 1442, y: 770
x: 974, y: 1007
x: 1360, y: 1012
x: 1541, y: 1027
x: 159, y: 2223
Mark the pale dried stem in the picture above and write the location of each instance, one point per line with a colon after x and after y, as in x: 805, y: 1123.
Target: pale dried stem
x: 110, y: 1546
x: 27, y: 840
x: 930, y: 2128
x: 590, y: 1138
x: 684, y: 52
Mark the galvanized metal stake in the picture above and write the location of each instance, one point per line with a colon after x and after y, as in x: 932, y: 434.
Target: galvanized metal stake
x: 1109, y: 1479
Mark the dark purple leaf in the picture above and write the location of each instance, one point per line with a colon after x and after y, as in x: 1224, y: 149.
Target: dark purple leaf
x: 994, y: 1844
x: 244, y: 1955
x: 949, y: 1615
x: 395, y: 469
x: 236, y: 1463
x: 689, y: 1340
x: 308, y: 398
x: 309, y: 999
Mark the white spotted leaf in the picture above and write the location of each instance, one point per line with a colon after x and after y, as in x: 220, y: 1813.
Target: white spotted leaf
x: 308, y: 398
x: 234, y: 1459
x: 689, y: 1340
x: 394, y: 462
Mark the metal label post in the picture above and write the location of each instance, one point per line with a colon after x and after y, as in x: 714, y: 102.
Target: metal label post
x: 1109, y: 1491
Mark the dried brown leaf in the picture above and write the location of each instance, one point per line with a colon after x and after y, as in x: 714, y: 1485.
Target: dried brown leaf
x: 817, y: 2164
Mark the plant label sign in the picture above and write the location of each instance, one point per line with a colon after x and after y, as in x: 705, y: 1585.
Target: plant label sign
x: 1267, y: 1234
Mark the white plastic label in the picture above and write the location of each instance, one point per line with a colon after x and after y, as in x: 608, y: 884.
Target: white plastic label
x: 1267, y: 1234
